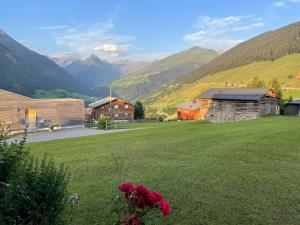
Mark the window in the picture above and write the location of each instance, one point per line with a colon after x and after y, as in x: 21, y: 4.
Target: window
x: 126, y: 106
x: 116, y: 115
x: 116, y: 106
x: 101, y: 115
x: 126, y: 114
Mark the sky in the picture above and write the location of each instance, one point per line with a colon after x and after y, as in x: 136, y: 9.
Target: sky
x: 140, y: 30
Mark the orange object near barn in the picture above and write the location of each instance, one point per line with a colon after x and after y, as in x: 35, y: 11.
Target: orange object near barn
x: 188, y: 111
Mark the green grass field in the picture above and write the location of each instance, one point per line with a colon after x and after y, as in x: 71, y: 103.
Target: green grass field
x: 212, y: 174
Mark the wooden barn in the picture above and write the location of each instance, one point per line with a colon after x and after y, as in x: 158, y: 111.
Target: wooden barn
x: 292, y: 108
x: 115, y: 108
x: 19, y: 112
x: 188, y: 111
x: 220, y: 105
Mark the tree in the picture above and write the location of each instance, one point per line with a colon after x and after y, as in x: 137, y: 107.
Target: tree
x: 257, y: 83
x: 139, y: 111
x: 275, y: 84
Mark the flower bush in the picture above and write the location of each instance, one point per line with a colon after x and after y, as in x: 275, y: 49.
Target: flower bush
x: 139, y: 201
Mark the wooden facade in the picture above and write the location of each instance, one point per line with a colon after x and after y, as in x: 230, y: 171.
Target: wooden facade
x: 292, y: 108
x: 19, y: 112
x: 115, y: 108
x: 236, y: 104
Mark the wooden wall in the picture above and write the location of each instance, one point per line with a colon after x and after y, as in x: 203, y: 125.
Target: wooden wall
x: 61, y: 112
x: 219, y: 111
x: 121, y: 111
x: 291, y: 109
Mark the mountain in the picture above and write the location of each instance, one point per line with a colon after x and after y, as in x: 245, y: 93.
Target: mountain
x: 267, y: 46
x: 93, y: 71
x: 127, y: 66
x: 155, y: 75
x: 63, y: 61
x: 24, y: 71
x: 275, y: 54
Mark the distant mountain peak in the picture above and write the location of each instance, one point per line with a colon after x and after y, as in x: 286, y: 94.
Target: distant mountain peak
x: 92, y: 59
x: 2, y: 32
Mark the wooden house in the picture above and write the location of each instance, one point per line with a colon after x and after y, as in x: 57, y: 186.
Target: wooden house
x: 292, y: 108
x: 188, y: 111
x: 234, y: 104
x: 115, y: 108
x: 19, y: 112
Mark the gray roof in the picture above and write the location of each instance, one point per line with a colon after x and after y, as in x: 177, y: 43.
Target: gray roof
x: 295, y: 102
x: 189, y: 106
x: 102, y: 102
x: 250, y: 94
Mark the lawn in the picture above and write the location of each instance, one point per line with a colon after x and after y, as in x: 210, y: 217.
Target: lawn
x: 212, y: 174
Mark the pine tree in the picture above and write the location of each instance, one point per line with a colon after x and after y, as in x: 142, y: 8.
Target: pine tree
x: 139, y: 111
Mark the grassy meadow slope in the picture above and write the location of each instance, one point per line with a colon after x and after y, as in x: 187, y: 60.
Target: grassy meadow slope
x: 155, y: 75
x: 235, y: 173
x: 268, y: 46
x: 285, y: 69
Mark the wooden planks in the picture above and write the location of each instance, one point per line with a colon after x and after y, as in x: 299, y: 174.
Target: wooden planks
x: 61, y: 112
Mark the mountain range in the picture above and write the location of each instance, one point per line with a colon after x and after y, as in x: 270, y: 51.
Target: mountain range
x: 272, y: 55
x: 160, y: 84
x: 24, y: 71
x: 151, y: 77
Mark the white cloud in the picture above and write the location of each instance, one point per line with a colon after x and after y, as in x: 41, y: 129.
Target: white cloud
x: 110, y: 48
x: 222, y: 33
x: 56, y: 27
x: 280, y: 4
x: 96, y: 39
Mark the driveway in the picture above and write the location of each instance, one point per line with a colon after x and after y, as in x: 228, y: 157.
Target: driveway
x: 65, y: 133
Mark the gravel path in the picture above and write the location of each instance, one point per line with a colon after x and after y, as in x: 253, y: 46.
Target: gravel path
x: 65, y: 133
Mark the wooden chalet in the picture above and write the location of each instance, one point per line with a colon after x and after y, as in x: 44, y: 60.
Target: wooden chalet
x: 19, y: 112
x: 115, y: 108
x: 188, y: 111
x: 220, y: 105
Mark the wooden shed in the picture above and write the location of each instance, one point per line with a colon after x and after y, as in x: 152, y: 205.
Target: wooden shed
x: 188, y: 111
x: 292, y: 108
x: 220, y: 105
x: 19, y: 112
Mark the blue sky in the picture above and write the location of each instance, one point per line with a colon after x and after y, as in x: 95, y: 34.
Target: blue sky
x: 139, y: 30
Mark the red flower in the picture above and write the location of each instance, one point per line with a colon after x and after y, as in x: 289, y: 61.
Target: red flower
x: 141, y: 189
x: 154, y: 198
x: 127, y: 188
x: 131, y: 220
x: 165, y: 208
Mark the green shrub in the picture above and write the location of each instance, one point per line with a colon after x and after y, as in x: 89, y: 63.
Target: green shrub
x: 32, y: 192
x: 102, y: 122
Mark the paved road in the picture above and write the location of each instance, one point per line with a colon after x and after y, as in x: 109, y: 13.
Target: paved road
x: 65, y: 133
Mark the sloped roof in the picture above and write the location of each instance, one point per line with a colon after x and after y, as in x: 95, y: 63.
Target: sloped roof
x: 295, y: 102
x: 102, y: 102
x: 250, y: 94
x: 189, y: 106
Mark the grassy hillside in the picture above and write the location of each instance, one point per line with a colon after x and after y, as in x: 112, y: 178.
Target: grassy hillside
x: 153, y: 76
x: 59, y: 93
x: 267, y: 46
x: 236, y: 173
x: 195, y: 56
x: 285, y: 69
